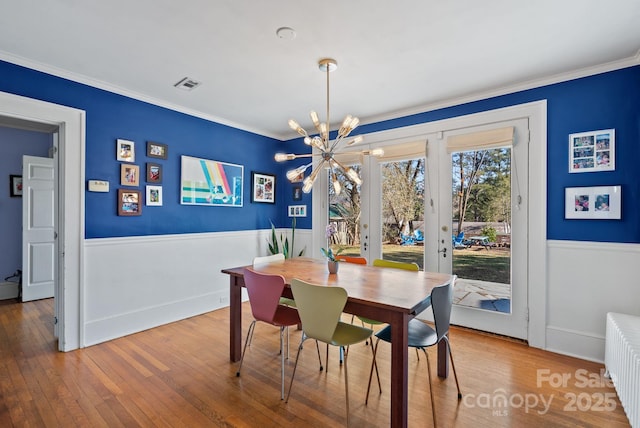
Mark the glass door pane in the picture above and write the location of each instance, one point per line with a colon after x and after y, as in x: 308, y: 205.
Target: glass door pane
x: 345, y: 214
x: 402, y: 192
x: 481, y: 228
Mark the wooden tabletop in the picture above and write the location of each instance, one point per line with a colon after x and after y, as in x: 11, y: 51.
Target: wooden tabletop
x: 393, y: 289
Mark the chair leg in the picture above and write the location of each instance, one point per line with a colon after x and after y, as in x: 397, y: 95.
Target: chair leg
x: 319, y: 359
x: 373, y: 364
x: 295, y: 366
x: 346, y: 382
x: 453, y: 366
x: 246, y: 342
x: 282, y: 361
x: 433, y: 404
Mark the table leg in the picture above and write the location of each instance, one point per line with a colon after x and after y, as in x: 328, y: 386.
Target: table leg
x: 399, y: 371
x: 235, y: 317
x: 443, y: 359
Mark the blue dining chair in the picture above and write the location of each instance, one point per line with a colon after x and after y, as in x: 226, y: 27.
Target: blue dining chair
x: 422, y: 336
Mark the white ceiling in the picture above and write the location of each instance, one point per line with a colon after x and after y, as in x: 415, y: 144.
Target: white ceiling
x: 394, y: 58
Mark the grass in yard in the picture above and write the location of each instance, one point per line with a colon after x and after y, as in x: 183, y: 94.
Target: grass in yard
x: 492, y: 265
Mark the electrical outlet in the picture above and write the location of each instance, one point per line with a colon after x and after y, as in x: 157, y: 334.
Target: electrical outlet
x: 224, y: 299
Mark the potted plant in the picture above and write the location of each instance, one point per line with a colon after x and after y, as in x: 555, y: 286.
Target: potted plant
x: 332, y: 261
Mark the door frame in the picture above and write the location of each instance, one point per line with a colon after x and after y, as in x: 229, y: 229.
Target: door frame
x: 536, y: 112
x: 70, y: 123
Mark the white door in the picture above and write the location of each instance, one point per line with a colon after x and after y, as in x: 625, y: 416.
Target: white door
x: 39, y: 243
x: 490, y: 259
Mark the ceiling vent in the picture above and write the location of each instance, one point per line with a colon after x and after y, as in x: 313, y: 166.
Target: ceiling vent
x: 187, y: 84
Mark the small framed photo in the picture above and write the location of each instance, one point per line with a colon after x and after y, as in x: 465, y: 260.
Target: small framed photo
x: 129, y: 175
x: 154, y: 173
x: 125, y: 151
x: 592, y: 151
x: 129, y: 202
x: 154, y: 196
x: 263, y: 187
x: 15, y: 183
x: 297, y: 193
x: 593, y: 203
x: 297, y: 210
x: 157, y: 150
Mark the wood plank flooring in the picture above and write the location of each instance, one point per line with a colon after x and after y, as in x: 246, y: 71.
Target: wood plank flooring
x: 179, y: 375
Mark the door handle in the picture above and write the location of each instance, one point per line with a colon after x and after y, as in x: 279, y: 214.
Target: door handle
x: 443, y: 251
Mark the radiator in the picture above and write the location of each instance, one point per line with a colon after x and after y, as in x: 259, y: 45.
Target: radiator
x: 622, y: 361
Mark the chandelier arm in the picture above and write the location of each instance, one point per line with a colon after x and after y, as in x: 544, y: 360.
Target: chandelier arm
x: 342, y: 167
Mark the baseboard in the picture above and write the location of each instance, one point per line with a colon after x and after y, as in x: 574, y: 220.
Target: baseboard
x: 576, y: 344
x: 120, y: 325
x: 9, y: 290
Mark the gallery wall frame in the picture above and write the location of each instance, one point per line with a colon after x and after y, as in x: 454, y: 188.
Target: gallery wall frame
x: 154, y: 172
x: 154, y: 196
x: 15, y: 186
x: 210, y: 183
x: 157, y: 150
x: 263, y: 187
x: 129, y: 175
x: 129, y: 202
x: 125, y: 151
x: 592, y: 151
x: 593, y: 203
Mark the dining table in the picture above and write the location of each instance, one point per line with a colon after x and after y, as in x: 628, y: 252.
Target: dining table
x: 392, y: 296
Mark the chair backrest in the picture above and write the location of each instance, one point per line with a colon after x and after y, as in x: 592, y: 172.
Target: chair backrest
x: 319, y: 308
x: 268, y: 259
x: 353, y: 259
x: 396, y: 265
x: 441, y: 302
x: 264, y: 293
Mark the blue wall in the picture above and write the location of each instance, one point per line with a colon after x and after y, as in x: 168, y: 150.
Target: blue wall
x: 604, y: 101
x: 14, y: 143
x: 110, y: 116
x: 608, y: 100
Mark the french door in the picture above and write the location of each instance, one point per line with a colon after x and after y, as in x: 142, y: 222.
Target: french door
x: 491, y: 294
x: 481, y: 222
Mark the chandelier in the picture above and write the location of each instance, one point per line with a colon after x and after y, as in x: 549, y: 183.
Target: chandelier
x: 327, y: 149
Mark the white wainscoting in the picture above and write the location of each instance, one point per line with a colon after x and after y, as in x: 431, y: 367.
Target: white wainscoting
x: 585, y: 281
x: 136, y: 283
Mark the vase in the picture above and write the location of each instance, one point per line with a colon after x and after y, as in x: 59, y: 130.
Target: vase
x: 332, y: 266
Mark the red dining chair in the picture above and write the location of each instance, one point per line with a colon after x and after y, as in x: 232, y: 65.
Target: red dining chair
x: 352, y: 259
x: 264, y: 296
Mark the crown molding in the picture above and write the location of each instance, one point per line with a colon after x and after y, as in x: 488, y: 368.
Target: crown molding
x: 509, y: 89
x: 477, y: 96
x: 79, y: 78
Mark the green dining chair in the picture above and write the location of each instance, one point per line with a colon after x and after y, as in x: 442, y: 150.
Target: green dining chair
x: 320, y: 308
x: 394, y: 265
x: 422, y: 336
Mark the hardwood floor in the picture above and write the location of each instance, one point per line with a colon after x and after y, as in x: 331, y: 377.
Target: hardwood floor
x: 179, y: 375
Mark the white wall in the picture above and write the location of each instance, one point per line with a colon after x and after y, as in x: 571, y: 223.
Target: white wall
x: 136, y: 283
x: 585, y: 280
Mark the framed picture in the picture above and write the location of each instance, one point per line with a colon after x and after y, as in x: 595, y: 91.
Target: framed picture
x: 125, y: 151
x: 129, y: 202
x: 592, y: 151
x: 157, y: 150
x: 154, y: 173
x: 154, y: 196
x: 211, y: 183
x: 600, y: 202
x: 297, y: 210
x: 129, y: 175
x: 15, y: 182
x: 263, y: 187
x: 297, y: 193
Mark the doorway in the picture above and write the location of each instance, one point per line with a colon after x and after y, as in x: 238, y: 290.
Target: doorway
x: 25, y: 112
x: 534, y: 231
